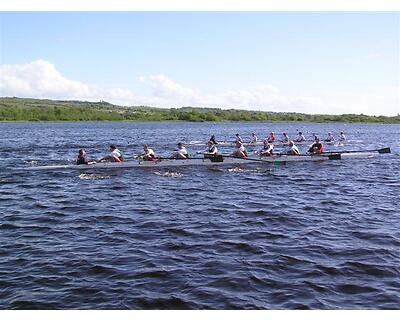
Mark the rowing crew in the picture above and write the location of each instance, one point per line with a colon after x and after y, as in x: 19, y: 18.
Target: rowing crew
x: 272, y: 138
x: 211, y: 151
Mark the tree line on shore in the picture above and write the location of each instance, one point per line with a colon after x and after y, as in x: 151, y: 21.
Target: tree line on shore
x: 21, y: 109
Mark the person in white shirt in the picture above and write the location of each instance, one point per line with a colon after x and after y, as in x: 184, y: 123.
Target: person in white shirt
x: 330, y: 137
x: 239, y: 151
x: 267, y: 149
x: 254, y: 138
x: 342, y: 137
x: 148, y: 154
x: 210, y: 151
x: 292, y: 149
x: 300, y: 137
x: 114, y: 156
x: 181, y: 153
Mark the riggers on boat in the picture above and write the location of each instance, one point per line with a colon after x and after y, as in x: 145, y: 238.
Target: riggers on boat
x: 218, y: 160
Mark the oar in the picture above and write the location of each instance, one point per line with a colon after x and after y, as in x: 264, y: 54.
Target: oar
x: 383, y: 150
x: 330, y: 156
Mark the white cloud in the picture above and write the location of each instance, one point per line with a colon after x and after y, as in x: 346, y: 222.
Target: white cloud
x: 40, y: 79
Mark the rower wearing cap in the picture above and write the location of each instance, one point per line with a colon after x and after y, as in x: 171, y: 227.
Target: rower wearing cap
x: 210, y: 151
x: 292, y: 149
x: 181, y: 153
x: 148, y: 154
x: 286, y: 139
x: 114, y: 156
x: 82, y: 158
x: 316, y: 147
x: 271, y: 138
x: 267, y: 149
x: 254, y: 138
x: 342, y: 137
x: 238, y: 138
x: 239, y: 151
x: 300, y: 137
x: 330, y: 137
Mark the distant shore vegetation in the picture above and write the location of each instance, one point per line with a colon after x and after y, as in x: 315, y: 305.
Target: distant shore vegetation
x: 22, y: 109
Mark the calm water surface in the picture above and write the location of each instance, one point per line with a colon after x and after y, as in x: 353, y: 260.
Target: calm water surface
x: 302, y: 235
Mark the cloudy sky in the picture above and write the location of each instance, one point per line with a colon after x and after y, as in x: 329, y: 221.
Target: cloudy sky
x: 321, y: 62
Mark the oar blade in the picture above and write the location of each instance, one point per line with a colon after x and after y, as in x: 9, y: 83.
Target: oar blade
x: 384, y: 150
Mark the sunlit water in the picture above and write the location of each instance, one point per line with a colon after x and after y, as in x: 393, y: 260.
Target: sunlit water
x: 302, y: 235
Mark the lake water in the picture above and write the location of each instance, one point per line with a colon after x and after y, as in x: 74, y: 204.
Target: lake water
x: 296, y: 236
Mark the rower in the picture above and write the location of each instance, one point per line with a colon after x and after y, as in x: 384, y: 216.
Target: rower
x: 254, y: 138
x: 342, y: 137
x: 271, y: 138
x: 330, y: 137
x: 181, y: 153
x: 300, y: 137
x: 238, y: 138
x: 267, y: 149
x: 286, y: 139
x: 82, y: 158
x: 210, y: 151
x: 239, y: 151
x: 316, y: 147
x: 212, y: 139
x: 114, y: 156
x: 148, y: 154
x: 292, y: 149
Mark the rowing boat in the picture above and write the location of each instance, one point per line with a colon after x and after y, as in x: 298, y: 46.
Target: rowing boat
x: 218, y: 161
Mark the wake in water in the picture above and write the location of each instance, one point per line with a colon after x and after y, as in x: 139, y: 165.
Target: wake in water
x: 85, y: 176
x: 169, y: 174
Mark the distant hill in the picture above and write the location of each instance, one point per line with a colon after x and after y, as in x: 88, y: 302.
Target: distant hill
x: 21, y: 109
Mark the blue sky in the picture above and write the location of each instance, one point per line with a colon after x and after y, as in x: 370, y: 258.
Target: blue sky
x: 327, y: 62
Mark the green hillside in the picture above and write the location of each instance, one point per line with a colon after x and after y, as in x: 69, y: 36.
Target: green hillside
x: 19, y: 109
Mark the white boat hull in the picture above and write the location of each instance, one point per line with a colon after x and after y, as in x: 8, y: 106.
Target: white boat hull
x: 194, y: 162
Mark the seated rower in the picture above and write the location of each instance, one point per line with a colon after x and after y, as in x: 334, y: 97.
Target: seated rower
x: 181, y: 153
x: 114, y: 156
x: 286, y: 139
x: 212, y: 139
x: 148, y: 154
x: 342, y: 137
x: 267, y: 149
x: 254, y: 138
x: 239, y: 151
x: 82, y: 158
x: 210, y: 151
x: 316, y: 147
x: 271, y: 138
x: 238, y: 138
x: 292, y: 149
x: 300, y: 137
x: 330, y: 137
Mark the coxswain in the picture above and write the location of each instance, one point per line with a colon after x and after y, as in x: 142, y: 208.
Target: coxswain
x: 316, y: 147
x: 212, y: 139
x: 239, y: 151
x: 254, y: 138
x: 271, y: 138
x: 181, y: 153
x: 148, y: 154
x: 82, y: 158
x: 300, y: 137
x: 238, y: 138
x: 342, y: 137
x: 292, y: 149
x: 286, y: 139
x: 114, y: 156
x: 267, y: 149
x: 210, y: 151
x: 330, y: 137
